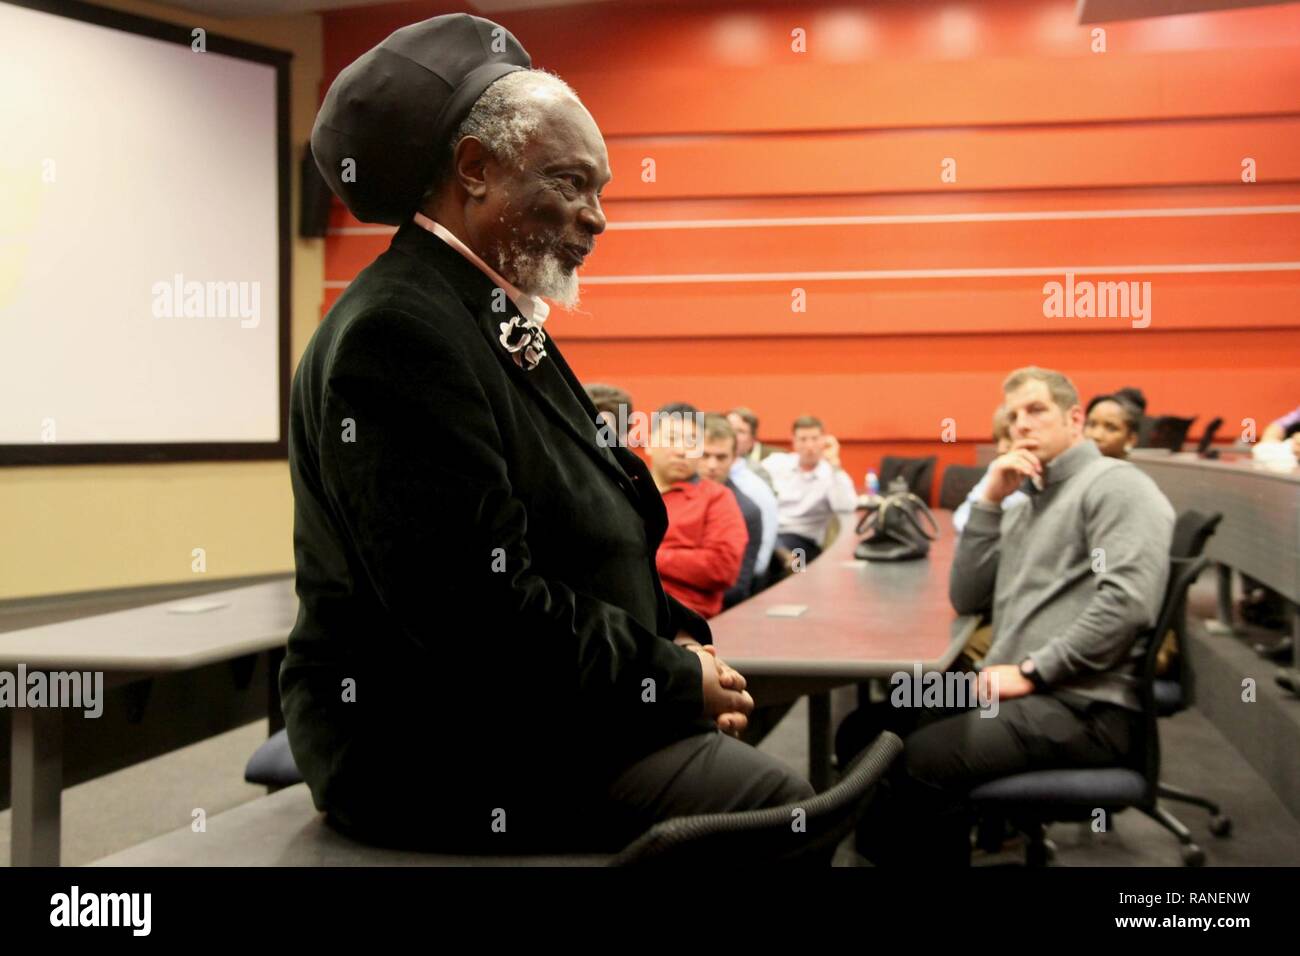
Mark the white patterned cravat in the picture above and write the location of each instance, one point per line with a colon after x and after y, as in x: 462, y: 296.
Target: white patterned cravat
x: 521, y: 335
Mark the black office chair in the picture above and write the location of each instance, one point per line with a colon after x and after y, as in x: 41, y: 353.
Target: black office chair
x: 917, y: 472
x: 958, y: 482
x: 272, y: 764
x: 1167, y: 431
x: 1173, y: 690
x: 1032, y: 800
x: 804, y: 834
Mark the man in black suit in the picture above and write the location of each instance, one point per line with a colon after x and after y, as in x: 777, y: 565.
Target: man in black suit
x: 484, y: 657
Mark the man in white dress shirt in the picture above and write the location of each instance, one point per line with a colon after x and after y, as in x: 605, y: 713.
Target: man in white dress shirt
x: 811, y: 487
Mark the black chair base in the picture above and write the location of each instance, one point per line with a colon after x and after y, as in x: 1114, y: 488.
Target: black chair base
x: 1193, y: 855
x: 1220, y: 823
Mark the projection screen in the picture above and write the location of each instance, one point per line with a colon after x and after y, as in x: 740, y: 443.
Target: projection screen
x: 144, y: 246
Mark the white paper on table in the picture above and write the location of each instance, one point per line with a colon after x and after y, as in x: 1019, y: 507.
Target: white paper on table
x: 198, y: 606
x: 786, y: 610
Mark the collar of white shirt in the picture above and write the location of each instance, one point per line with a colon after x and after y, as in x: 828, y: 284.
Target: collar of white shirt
x: 530, y: 307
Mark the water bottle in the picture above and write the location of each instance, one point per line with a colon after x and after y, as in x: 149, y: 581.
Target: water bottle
x: 871, y: 495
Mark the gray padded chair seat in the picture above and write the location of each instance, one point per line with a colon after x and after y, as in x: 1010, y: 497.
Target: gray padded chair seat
x: 272, y: 763
x: 1089, y: 788
x: 285, y: 829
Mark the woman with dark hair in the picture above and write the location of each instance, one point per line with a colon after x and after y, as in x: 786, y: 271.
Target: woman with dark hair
x: 1113, y: 422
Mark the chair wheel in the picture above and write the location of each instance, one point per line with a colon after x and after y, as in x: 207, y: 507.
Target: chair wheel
x: 1193, y: 855
x: 1220, y: 825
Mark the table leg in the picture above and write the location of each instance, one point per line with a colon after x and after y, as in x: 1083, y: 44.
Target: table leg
x: 274, y: 715
x: 819, y: 741
x: 1295, y: 636
x: 37, y: 786
x: 1225, y: 594
x: 1222, y: 624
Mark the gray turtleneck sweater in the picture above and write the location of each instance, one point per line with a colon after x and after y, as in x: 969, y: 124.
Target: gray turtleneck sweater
x: 1073, y: 575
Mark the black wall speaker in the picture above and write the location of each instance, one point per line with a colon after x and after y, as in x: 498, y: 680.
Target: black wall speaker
x: 314, y: 214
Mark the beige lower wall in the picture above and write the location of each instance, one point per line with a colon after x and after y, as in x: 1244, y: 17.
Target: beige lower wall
x: 84, y: 527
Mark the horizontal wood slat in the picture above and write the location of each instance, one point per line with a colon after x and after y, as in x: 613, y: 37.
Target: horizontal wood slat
x: 1186, y: 152
x: 806, y: 96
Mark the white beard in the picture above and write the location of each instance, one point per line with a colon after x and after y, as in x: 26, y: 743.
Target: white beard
x: 542, y: 274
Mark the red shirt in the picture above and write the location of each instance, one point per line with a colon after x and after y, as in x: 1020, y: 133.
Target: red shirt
x: 700, y: 555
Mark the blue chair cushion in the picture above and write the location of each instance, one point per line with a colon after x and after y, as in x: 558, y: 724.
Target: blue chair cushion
x: 1100, y: 787
x: 1169, y: 696
x: 272, y: 764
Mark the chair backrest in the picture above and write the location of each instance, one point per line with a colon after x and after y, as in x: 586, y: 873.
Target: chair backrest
x: 1168, y: 431
x: 958, y: 481
x: 805, y: 833
x: 1207, y: 436
x: 1191, y: 532
x: 917, y: 472
x: 1182, y: 573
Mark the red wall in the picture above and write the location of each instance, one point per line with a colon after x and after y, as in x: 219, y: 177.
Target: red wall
x: 742, y: 127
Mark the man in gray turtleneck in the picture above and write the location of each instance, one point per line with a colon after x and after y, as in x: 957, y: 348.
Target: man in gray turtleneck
x: 1072, y: 577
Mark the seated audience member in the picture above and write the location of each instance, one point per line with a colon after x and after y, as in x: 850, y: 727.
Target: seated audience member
x: 702, y: 550
x: 1002, y: 439
x: 748, y: 448
x: 1063, y: 657
x: 609, y: 399
x: 1113, y: 422
x: 757, y: 486
x: 1286, y: 428
x: 811, y: 487
x: 719, y: 452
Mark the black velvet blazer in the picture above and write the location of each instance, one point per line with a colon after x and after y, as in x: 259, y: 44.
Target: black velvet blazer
x: 481, y: 625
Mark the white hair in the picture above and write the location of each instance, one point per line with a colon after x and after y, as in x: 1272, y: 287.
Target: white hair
x: 508, y: 113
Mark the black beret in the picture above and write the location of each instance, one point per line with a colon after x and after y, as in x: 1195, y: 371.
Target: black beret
x: 395, y: 109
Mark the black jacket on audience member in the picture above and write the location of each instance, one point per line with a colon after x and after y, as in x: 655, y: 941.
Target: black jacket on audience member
x: 475, y: 562
x: 754, y: 525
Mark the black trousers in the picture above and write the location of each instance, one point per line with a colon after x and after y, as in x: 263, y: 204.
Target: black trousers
x: 919, y: 816
x: 706, y: 773
x: 703, y: 773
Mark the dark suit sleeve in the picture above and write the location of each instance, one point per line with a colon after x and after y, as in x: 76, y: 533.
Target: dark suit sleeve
x: 684, y: 619
x: 424, y: 494
x: 745, y: 581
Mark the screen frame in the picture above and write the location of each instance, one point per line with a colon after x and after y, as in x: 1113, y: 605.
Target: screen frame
x: 54, y: 453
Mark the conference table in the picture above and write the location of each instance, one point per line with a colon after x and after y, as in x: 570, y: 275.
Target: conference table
x: 863, y: 620
x: 1260, y: 531
x: 126, y: 646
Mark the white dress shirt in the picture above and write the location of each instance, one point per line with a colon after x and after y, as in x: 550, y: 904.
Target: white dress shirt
x: 806, y: 500
x: 756, y: 490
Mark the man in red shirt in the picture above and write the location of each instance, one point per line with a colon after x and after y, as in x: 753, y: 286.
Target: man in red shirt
x: 701, y: 553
